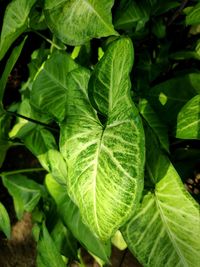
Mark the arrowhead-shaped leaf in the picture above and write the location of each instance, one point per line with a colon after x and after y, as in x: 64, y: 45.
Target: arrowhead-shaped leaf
x: 76, y: 22
x: 105, y: 162
x: 165, y: 230
x: 188, y: 120
x: 15, y: 22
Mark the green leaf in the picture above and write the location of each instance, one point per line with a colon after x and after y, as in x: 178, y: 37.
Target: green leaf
x: 15, y: 22
x: 105, y: 162
x: 188, y: 120
x: 164, y: 231
x: 4, y: 221
x: 64, y: 240
x: 167, y: 98
x: 193, y: 17
x: 78, y: 21
x: 8, y: 68
x: 48, y: 254
x: 26, y: 193
x: 49, y: 91
x: 40, y: 142
x: 4, y: 143
x: 132, y: 14
x: 155, y: 123
x: 70, y: 215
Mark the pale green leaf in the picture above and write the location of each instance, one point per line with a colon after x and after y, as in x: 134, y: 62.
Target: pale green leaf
x: 4, y: 221
x: 193, y: 17
x: 105, y: 162
x: 76, y: 22
x: 155, y: 123
x: 70, y: 215
x: 26, y: 193
x: 165, y: 229
x: 15, y: 22
x: 47, y: 253
x: 188, y: 120
x: 49, y: 91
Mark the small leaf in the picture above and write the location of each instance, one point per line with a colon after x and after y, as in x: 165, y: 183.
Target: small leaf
x: 78, y: 21
x: 193, y: 17
x: 15, y: 22
x: 40, y: 142
x: 132, y: 14
x: 49, y: 91
x: 48, y: 255
x: 64, y: 240
x: 188, y: 120
x: 4, y: 221
x: 155, y: 123
x: 167, y: 98
x: 70, y: 215
x: 9, y: 66
x: 26, y: 193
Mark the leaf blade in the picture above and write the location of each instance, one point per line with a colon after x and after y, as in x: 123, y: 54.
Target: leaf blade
x: 81, y: 21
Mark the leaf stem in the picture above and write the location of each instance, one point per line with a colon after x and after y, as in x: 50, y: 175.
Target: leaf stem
x: 31, y: 120
x: 22, y: 171
x: 49, y: 41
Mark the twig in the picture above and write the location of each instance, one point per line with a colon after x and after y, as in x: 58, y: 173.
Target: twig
x: 178, y: 12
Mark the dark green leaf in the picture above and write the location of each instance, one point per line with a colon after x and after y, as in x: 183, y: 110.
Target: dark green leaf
x: 193, y: 17
x: 155, y: 123
x: 169, y: 97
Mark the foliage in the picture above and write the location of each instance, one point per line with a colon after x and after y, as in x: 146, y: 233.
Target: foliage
x: 110, y: 108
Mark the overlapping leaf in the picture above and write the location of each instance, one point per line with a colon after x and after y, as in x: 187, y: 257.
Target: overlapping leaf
x: 26, y: 193
x: 188, y: 120
x: 165, y: 230
x: 76, y: 22
x: 170, y: 96
x: 50, y: 86
x: 105, y: 162
x: 15, y: 22
x: 4, y: 221
x: 70, y: 216
x: 155, y: 123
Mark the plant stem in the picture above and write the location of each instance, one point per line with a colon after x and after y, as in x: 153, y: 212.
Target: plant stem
x: 22, y: 171
x: 49, y: 41
x: 31, y: 120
